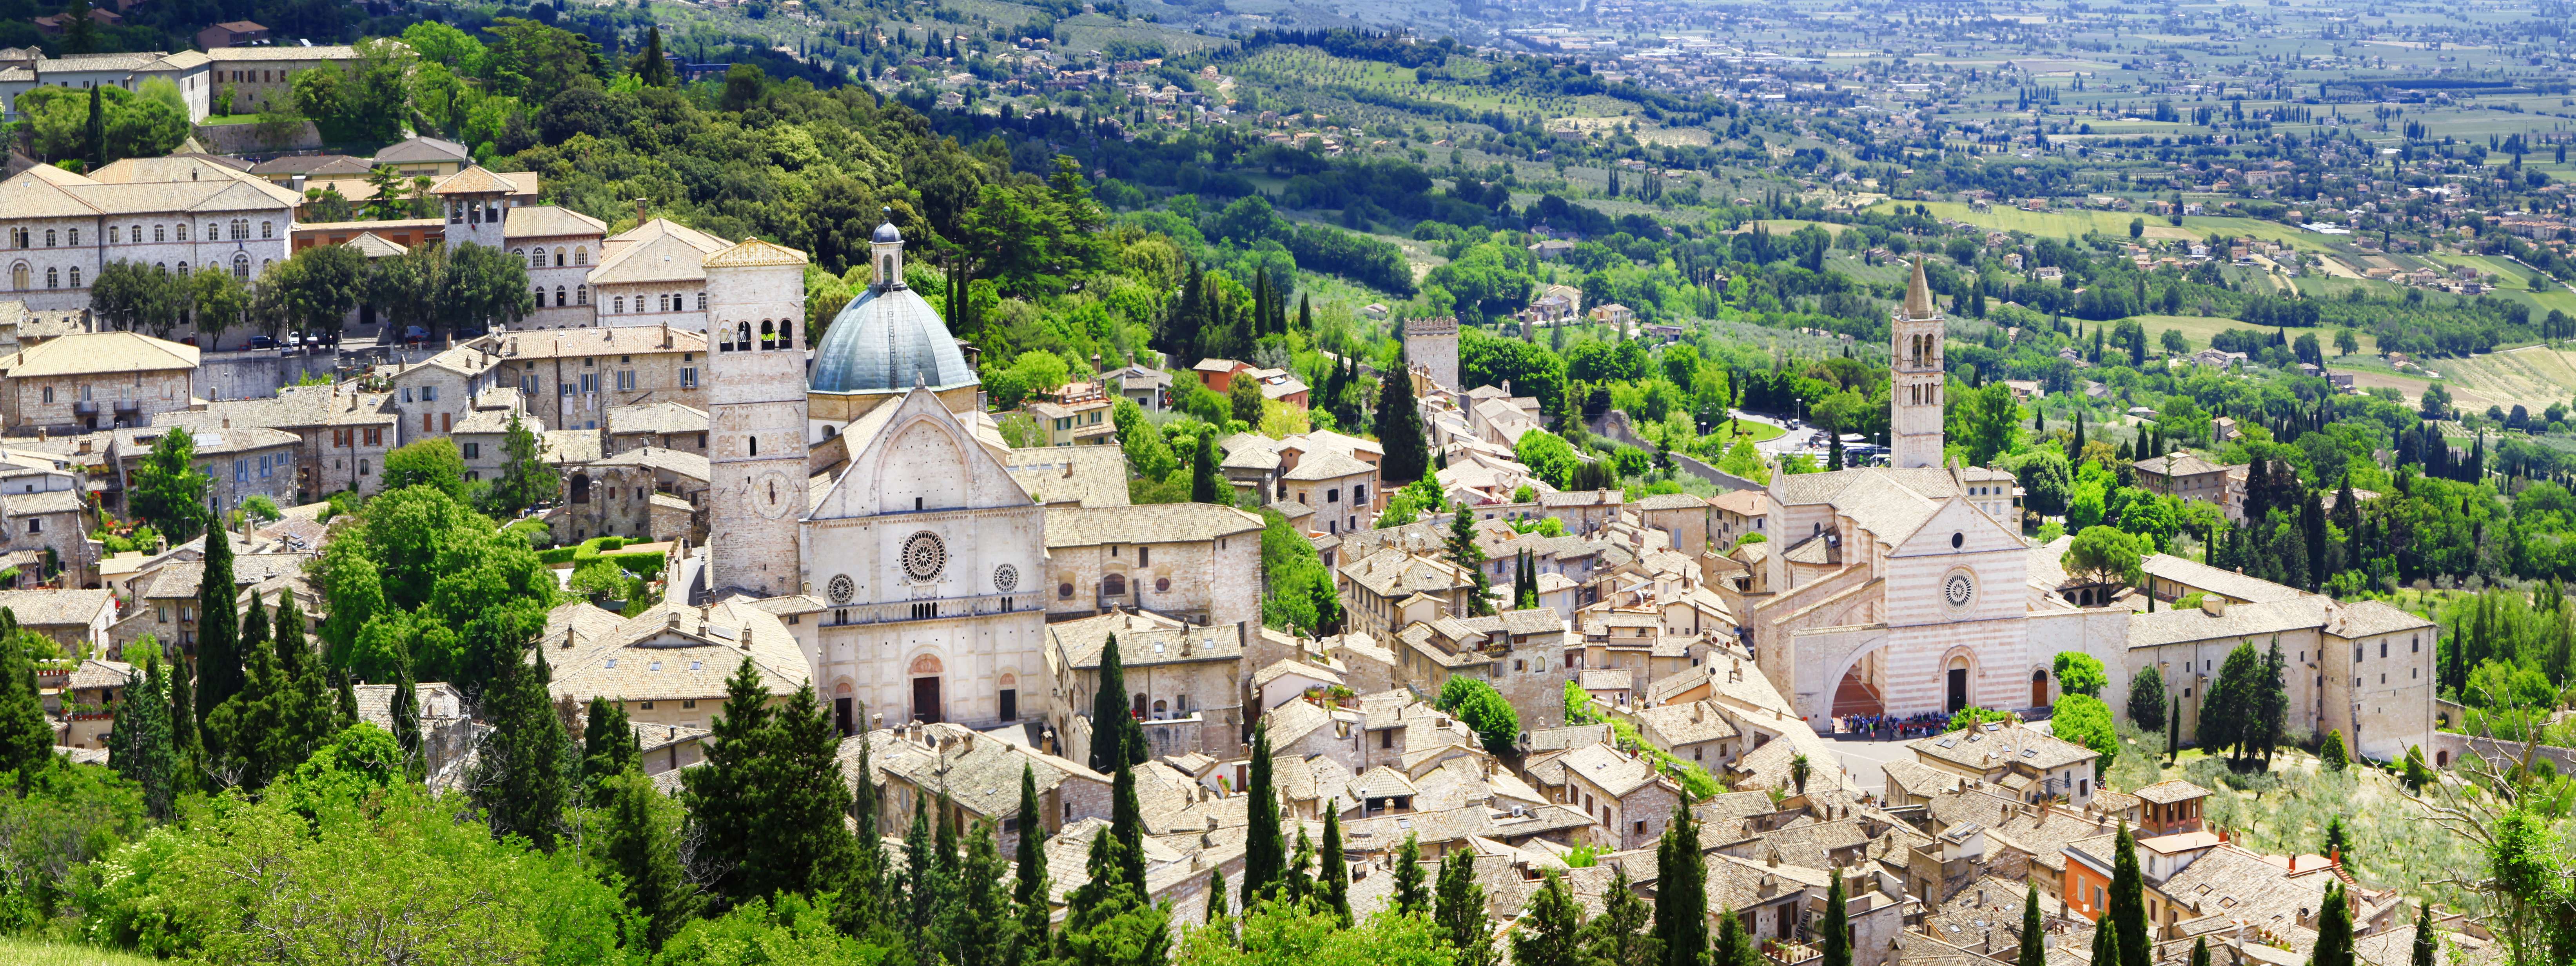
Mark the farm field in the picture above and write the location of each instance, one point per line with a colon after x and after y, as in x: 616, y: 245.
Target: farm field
x: 2532, y: 377
x: 2201, y: 329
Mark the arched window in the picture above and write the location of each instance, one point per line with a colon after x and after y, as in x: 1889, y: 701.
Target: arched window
x: 1114, y: 585
x: 618, y: 306
x: 559, y: 258
x: 581, y: 488
x: 540, y: 294
x: 183, y: 231
x: 111, y: 234
x: 49, y: 238
x: 768, y: 338
x: 885, y: 273
x: 742, y: 337
x: 162, y: 233
x: 702, y: 301
x: 521, y: 253
x: 53, y: 278
x: 183, y: 269
x: 241, y: 266
x: 76, y: 276
x: 580, y: 255
x: 267, y: 229
x: 241, y: 229
x: 559, y: 296
x: 661, y: 303
x: 136, y: 234
x: 18, y: 277
x: 581, y: 295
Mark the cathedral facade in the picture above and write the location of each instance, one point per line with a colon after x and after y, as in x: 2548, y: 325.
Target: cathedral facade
x: 884, y: 515
x: 1901, y: 589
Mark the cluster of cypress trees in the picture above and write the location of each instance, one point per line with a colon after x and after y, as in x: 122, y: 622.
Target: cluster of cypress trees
x: 2247, y: 708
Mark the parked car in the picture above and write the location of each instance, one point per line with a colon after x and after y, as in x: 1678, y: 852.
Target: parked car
x: 262, y: 342
x: 414, y: 335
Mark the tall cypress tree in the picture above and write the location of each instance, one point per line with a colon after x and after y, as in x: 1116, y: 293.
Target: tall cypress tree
x: 1734, y: 947
x: 94, y: 134
x: 2334, y: 929
x: 2106, y: 941
x: 1333, y: 871
x: 143, y: 754
x: 2034, y: 937
x: 608, y: 745
x: 2128, y: 912
x: 1551, y: 930
x: 2427, y: 947
x: 720, y: 795
x: 2200, y: 952
x: 1681, y: 898
x: 1399, y: 427
x: 1263, y: 849
x: 187, y: 749
x: 1204, y: 487
x: 219, y: 656
x: 1458, y: 906
x: 1030, y: 941
x: 798, y: 841
x: 406, y: 715
x: 1410, y: 899
x: 1116, y: 737
x: 1619, y: 936
x: 921, y: 884
x: 520, y: 784
x: 637, y: 840
x: 1837, y: 926
x: 978, y: 922
x: 1127, y: 822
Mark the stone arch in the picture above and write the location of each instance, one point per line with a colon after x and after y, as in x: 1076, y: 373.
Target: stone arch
x: 925, y: 663
x: 581, y: 488
x: 1959, y: 668
x: 1113, y: 585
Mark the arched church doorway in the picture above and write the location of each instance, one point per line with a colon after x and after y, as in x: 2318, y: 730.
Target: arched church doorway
x: 1958, y: 684
x: 2039, y: 689
x: 925, y: 689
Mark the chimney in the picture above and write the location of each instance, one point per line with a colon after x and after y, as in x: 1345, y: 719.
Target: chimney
x: 666, y: 334
x: 1699, y: 712
x: 643, y: 211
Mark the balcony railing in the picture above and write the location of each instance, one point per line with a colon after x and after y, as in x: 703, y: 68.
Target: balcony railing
x: 935, y: 608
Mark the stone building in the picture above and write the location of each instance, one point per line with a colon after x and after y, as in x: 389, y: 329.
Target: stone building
x: 566, y: 379
x: 1198, y: 562
x: 95, y: 380
x: 668, y: 665
x: 980, y: 775
x: 343, y: 433
x: 1521, y: 653
x: 1391, y: 588
x: 183, y: 214
x: 646, y: 494
x: 240, y: 463
x: 655, y: 275
x: 1185, y: 682
x: 1432, y: 343
x: 559, y: 245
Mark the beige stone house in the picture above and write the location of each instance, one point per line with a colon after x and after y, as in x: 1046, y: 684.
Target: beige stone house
x: 1185, y: 683
x: 343, y: 433
x: 95, y: 380
x: 1197, y: 562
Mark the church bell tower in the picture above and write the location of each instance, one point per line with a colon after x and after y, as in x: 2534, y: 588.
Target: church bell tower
x: 756, y: 408
x: 1914, y: 332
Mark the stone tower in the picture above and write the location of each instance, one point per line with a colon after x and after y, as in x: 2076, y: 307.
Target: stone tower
x: 1433, y: 344
x: 755, y: 418
x: 1914, y: 334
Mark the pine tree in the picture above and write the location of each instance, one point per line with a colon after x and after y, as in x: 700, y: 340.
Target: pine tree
x: 2200, y: 951
x: 2034, y: 937
x: 653, y: 68
x: 1551, y: 927
x: 1263, y: 849
x: 1681, y: 897
x: 1458, y: 907
x: 2427, y: 946
x: 1837, y: 925
x: 1116, y: 737
x: 1410, y: 899
x: 1399, y: 427
x: 1216, y: 912
x: 637, y: 840
x: 1334, y: 871
x: 1619, y: 937
x: 310, y: 709
x: 2128, y: 912
x: 974, y: 931
x: 220, y: 662
x: 608, y: 745
x: 520, y: 781
x: 720, y: 795
x: 2272, y: 704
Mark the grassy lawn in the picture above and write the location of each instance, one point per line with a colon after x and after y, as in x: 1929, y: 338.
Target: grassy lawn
x: 28, y: 952
x: 1753, y: 432
x: 215, y: 119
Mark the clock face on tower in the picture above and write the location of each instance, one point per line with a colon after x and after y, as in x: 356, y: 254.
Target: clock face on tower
x: 773, y: 494
x: 1959, y: 590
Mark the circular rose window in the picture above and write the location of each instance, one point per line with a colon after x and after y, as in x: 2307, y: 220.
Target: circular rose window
x: 1162, y: 585
x: 841, y: 588
x: 1006, y: 577
x: 924, y: 556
